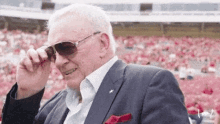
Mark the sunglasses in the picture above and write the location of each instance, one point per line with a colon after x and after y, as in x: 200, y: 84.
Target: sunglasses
x: 65, y: 48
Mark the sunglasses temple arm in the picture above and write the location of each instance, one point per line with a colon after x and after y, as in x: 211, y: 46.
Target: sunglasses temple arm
x: 54, y: 49
x: 97, y: 32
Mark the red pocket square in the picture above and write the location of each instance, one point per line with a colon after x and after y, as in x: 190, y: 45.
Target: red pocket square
x: 118, y: 119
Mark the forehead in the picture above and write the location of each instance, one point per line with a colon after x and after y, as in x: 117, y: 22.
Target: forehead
x: 69, y: 29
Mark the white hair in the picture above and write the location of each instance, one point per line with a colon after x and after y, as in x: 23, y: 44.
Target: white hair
x: 93, y: 14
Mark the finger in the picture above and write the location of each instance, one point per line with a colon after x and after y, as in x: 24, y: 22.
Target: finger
x: 43, y: 47
x: 42, y: 53
x: 26, y: 62
x: 46, y: 43
x: 33, y: 55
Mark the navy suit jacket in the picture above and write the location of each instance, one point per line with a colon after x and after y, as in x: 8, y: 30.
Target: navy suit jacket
x: 149, y: 94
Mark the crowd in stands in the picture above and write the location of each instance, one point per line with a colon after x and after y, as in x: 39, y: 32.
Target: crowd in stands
x: 180, y: 55
x: 202, y: 90
x: 170, y: 52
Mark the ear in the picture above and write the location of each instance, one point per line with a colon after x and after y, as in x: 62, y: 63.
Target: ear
x: 104, y: 45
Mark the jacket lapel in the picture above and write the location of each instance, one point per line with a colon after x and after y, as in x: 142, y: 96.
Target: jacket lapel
x: 60, y: 112
x: 106, y: 94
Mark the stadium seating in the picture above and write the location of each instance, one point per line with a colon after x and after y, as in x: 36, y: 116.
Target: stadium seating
x: 167, y: 52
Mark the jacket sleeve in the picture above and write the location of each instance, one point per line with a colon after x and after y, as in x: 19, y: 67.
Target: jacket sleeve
x: 164, y: 101
x: 20, y: 111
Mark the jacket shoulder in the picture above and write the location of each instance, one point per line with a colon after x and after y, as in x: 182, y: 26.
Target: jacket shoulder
x: 138, y: 70
x: 143, y: 73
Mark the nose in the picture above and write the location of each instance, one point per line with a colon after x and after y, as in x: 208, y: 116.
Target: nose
x: 60, y: 60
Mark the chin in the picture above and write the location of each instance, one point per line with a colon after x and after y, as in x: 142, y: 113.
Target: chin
x: 72, y: 84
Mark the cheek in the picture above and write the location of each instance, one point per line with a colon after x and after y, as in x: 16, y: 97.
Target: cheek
x: 87, y: 59
x: 87, y: 64
x: 90, y: 55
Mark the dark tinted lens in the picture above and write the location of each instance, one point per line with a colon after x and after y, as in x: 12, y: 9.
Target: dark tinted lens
x: 50, y: 52
x: 65, y: 48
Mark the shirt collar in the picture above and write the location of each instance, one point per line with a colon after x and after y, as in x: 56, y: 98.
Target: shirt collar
x: 98, y: 75
x: 72, y: 95
x: 92, y: 83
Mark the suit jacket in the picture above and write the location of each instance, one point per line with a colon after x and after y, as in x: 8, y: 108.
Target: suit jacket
x: 150, y: 95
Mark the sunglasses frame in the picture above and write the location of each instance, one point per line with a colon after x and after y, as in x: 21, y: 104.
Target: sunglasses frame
x: 51, y: 50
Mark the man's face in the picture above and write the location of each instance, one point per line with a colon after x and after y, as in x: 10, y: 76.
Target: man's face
x: 85, y: 60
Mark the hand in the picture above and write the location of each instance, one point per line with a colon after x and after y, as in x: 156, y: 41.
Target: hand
x: 32, y: 72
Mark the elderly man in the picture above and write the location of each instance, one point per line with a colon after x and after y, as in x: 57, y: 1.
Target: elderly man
x: 100, y: 88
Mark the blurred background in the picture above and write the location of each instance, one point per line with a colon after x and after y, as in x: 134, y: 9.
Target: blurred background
x: 181, y: 36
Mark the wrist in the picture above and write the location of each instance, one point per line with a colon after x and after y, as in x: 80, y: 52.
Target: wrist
x: 23, y: 93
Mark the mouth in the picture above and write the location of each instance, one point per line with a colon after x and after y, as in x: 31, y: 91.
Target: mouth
x: 70, y: 71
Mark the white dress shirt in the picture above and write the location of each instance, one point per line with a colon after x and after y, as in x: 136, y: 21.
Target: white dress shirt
x: 88, y: 89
